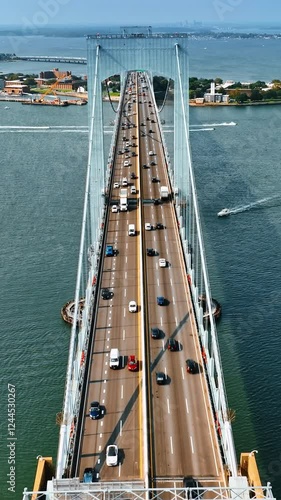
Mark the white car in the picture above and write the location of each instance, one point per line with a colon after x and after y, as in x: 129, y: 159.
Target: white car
x: 162, y: 263
x: 114, y: 209
x: 148, y: 226
x: 126, y: 163
x: 133, y: 190
x: 151, y: 153
x: 111, y: 455
x: 133, y: 306
x: 116, y: 185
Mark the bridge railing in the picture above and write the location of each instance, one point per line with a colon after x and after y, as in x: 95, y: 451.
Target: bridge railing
x: 115, y: 490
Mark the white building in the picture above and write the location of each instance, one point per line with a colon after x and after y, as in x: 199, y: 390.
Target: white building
x: 214, y: 96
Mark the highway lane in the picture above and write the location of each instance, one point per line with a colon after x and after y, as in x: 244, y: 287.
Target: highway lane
x: 185, y: 441
x: 183, y: 435
x: 117, y: 390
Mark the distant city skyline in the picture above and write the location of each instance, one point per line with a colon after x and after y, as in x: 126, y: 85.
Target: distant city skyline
x: 44, y: 13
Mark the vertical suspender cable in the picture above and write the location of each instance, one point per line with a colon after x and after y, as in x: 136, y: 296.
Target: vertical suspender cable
x: 222, y: 391
x: 67, y: 408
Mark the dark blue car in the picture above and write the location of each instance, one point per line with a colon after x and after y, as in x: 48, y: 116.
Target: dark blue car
x: 95, y: 410
x: 109, y: 251
x: 160, y: 301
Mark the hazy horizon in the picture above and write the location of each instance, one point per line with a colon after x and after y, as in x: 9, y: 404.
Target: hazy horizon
x: 44, y: 13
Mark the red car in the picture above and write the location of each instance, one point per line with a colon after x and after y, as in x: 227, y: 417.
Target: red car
x: 132, y: 363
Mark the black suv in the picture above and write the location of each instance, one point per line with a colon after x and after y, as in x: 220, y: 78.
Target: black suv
x: 159, y: 225
x: 150, y: 252
x: 155, y: 333
x: 161, y: 378
x: 172, y: 344
x: 106, y: 293
x: 192, y: 366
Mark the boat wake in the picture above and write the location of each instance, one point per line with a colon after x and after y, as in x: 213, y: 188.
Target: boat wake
x: 206, y: 129
x: 244, y: 208
x: 223, y: 124
x: 52, y: 129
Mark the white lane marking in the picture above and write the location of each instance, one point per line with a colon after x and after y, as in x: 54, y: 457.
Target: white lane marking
x: 171, y: 281
x: 125, y: 292
x: 168, y: 405
x: 105, y: 372
x: 165, y: 238
x: 174, y: 300
x: 125, y: 275
x: 171, y: 442
x: 126, y: 259
x: 122, y: 391
x: 176, y: 320
x: 99, y: 450
x: 124, y: 312
x: 119, y: 469
x: 182, y: 373
x: 124, y: 334
x: 101, y: 423
x: 165, y: 370
x: 109, y: 324
x: 161, y: 321
x: 121, y: 427
x: 186, y: 405
x: 158, y: 281
x: 103, y: 401
x: 191, y: 442
x: 126, y: 245
x: 100, y: 435
x: 163, y: 344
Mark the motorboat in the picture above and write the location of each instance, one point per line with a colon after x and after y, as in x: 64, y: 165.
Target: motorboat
x: 224, y: 212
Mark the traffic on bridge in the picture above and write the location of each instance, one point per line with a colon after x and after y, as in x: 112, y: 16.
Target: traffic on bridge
x: 145, y: 411
x: 145, y: 314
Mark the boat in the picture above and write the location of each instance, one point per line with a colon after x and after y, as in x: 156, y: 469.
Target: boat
x: 224, y: 212
x: 45, y: 102
x: 6, y: 107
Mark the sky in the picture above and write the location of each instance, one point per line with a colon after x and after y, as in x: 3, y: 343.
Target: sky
x: 43, y: 13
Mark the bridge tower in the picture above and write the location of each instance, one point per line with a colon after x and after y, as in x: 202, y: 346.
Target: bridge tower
x: 156, y: 54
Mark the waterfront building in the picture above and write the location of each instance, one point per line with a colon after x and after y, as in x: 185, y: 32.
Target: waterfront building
x: 214, y: 96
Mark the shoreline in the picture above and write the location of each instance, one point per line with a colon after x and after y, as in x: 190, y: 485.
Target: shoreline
x: 84, y: 95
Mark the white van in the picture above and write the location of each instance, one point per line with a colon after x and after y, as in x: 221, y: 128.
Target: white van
x: 131, y: 230
x: 114, y: 357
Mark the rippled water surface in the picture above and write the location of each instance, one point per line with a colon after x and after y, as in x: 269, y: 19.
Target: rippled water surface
x: 41, y: 193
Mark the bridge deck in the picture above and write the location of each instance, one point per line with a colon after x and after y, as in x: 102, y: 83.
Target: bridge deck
x: 182, y: 439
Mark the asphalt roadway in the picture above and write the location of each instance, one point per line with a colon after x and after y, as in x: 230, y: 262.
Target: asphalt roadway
x: 180, y: 429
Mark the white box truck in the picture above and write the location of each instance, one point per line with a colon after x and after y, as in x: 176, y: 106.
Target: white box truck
x: 123, y: 203
x: 164, y: 192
